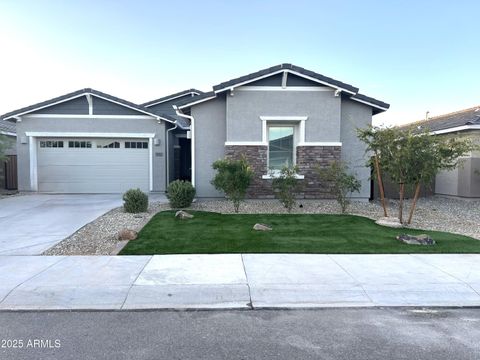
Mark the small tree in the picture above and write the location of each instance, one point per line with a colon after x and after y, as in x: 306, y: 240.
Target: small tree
x: 286, y: 186
x: 411, y: 157
x: 342, y: 182
x: 376, y: 142
x: 233, y: 177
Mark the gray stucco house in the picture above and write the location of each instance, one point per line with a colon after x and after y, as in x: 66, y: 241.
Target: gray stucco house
x: 91, y: 142
x: 463, y: 181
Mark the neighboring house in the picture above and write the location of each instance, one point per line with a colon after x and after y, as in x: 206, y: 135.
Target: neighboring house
x: 8, y: 168
x: 465, y: 180
x: 283, y: 115
x: 92, y: 142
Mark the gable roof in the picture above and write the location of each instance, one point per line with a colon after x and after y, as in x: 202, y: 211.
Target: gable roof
x: 192, y: 92
x: 82, y: 92
x: 285, y: 67
x: 8, y: 128
x: 456, y: 121
x: 165, y: 105
x: 349, y: 90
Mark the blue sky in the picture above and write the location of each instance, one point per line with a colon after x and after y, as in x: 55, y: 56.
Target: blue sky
x: 416, y: 55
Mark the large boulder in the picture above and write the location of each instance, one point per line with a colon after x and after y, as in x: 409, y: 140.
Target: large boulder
x: 127, y: 234
x: 180, y: 214
x: 422, y: 239
x: 389, y: 221
x: 262, y: 227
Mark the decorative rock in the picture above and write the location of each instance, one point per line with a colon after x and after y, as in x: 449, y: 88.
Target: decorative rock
x: 422, y: 239
x: 262, y: 227
x: 390, y: 221
x: 183, y: 215
x: 127, y: 234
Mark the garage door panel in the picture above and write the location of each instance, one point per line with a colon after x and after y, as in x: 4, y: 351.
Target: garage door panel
x: 90, y: 170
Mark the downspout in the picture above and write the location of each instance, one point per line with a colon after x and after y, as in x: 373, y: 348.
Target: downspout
x: 168, y: 153
x: 192, y: 136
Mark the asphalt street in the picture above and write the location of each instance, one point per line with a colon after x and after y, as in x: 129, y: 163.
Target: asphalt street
x: 374, y: 333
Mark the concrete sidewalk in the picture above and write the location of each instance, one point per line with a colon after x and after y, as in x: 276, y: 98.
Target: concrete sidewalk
x: 238, y: 281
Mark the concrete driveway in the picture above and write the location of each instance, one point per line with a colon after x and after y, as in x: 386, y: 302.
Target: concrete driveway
x: 31, y: 224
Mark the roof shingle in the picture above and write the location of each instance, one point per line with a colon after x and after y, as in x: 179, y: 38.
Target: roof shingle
x: 470, y: 116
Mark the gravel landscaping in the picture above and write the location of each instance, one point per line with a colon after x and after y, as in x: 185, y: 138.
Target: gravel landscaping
x: 435, y: 213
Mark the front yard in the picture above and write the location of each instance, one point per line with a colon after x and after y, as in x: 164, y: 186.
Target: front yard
x: 209, y: 233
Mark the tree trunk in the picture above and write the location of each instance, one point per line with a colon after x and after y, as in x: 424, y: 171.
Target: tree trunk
x: 380, y: 185
x: 400, y: 205
x: 414, y: 204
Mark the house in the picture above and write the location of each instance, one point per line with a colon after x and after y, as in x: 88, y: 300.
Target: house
x: 464, y: 181
x: 281, y: 115
x: 8, y: 167
x: 91, y: 142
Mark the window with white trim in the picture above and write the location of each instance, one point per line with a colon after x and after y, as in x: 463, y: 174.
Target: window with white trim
x: 51, y: 144
x: 79, y: 144
x: 281, y: 146
x: 136, y: 144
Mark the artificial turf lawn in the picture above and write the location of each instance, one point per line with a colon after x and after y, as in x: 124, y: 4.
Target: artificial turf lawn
x: 212, y: 233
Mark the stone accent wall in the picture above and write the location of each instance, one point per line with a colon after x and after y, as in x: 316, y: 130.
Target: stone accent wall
x: 257, y: 158
x: 308, y: 158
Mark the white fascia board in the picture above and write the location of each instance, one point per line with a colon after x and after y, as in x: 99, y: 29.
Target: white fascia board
x: 281, y: 71
x: 155, y: 116
x: 89, y: 135
x: 80, y: 116
x: 319, y: 143
x: 245, y: 143
x: 283, y: 118
x: 369, y: 103
x: 194, y: 103
x: 8, y: 133
x: 171, y: 98
x: 288, y: 88
x: 455, y: 129
x: 44, y: 106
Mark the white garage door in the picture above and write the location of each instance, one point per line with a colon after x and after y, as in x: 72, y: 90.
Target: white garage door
x: 92, y: 165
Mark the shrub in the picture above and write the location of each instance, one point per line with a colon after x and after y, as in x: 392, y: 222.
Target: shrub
x: 180, y: 194
x: 343, y: 183
x: 286, y: 186
x: 135, y: 201
x: 233, y: 177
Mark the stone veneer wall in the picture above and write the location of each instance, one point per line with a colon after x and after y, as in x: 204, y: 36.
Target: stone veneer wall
x: 308, y: 158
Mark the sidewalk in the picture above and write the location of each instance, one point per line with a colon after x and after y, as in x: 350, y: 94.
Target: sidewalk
x: 238, y: 281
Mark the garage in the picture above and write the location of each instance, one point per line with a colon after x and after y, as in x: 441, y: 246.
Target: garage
x: 92, y: 165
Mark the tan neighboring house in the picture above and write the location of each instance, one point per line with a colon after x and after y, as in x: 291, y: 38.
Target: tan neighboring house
x: 465, y: 180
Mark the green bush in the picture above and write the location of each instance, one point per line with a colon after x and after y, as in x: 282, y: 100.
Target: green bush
x: 135, y: 201
x: 180, y: 194
x: 286, y: 186
x: 233, y: 177
x: 342, y: 182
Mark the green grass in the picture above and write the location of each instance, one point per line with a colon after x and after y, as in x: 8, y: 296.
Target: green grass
x: 212, y: 233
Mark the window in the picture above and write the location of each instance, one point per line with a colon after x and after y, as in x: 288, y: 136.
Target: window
x: 80, y: 144
x: 280, y: 147
x: 51, y: 144
x: 136, y: 144
x: 107, y: 144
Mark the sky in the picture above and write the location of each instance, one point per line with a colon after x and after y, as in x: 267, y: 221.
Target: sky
x: 417, y: 56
